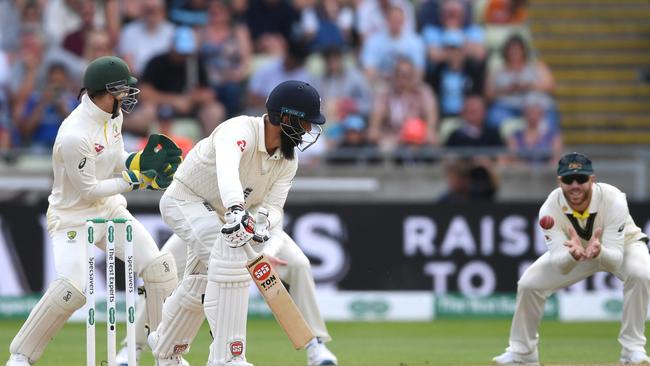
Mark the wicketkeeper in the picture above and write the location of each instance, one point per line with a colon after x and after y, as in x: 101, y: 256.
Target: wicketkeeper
x: 91, y: 170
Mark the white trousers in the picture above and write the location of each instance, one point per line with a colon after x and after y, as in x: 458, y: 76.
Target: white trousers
x: 199, y: 227
x: 70, y: 246
x: 541, y: 280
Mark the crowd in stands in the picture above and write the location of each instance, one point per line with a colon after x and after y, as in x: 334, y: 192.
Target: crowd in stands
x: 398, y: 78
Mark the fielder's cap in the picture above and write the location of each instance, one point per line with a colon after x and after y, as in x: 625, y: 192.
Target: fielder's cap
x: 453, y: 38
x: 184, y: 40
x: 574, y: 163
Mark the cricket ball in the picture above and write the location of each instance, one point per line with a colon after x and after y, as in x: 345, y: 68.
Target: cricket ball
x: 546, y: 222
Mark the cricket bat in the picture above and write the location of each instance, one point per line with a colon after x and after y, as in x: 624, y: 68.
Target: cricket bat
x: 276, y: 295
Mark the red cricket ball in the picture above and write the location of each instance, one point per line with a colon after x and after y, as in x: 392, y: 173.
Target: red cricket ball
x: 546, y: 222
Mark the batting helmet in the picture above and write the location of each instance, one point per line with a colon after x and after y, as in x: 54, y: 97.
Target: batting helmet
x: 294, y: 98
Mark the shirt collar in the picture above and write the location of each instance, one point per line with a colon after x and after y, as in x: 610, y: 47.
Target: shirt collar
x: 96, y: 113
x: 261, y: 145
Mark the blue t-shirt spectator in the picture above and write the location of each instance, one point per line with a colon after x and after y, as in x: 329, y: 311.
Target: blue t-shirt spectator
x: 51, y: 117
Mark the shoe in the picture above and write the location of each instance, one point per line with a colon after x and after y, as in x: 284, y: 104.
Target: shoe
x: 318, y: 354
x: 636, y: 358
x: 18, y: 360
x: 238, y: 361
x: 509, y: 358
x: 122, y: 358
x: 173, y: 360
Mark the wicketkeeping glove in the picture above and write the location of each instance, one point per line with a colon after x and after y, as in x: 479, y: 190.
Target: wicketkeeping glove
x: 239, y: 226
x: 162, y: 160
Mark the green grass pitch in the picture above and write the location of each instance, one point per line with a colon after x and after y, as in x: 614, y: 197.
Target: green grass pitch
x: 441, y: 342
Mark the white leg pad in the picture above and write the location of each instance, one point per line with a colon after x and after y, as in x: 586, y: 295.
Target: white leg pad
x: 182, y: 316
x: 61, y: 299
x: 226, y: 308
x: 160, y: 279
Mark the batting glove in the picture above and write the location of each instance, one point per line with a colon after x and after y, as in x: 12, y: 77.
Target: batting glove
x: 239, y: 227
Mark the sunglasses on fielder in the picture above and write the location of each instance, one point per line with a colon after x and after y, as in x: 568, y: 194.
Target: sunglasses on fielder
x: 580, y: 178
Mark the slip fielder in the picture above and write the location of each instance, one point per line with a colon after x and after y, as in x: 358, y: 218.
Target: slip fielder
x: 88, y: 153
x: 246, y: 163
x: 588, y: 229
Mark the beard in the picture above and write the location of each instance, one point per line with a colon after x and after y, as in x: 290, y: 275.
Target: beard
x: 287, y: 146
x: 577, y: 196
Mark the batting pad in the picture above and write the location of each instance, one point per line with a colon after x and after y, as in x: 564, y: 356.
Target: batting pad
x: 226, y: 307
x: 160, y: 279
x: 60, y: 300
x: 182, y: 316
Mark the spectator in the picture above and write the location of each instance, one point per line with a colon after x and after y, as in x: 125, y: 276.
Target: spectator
x: 61, y: 17
x: 178, y: 78
x: 277, y: 70
x: 505, y: 12
x: 372, y: 16
x: 75, y: 41
x: 507, y: 86
x: 452, y: 20
x: 148, y: 36
x: 188, y: 12
x: 5, y: 120
x: 455, y: 77
x: 537, y: 142
x: 343, y: 87
x: 406, y: 97
x: 354, y: 146
x: 473, y: 131
x: 15, y: 16
x: 328, y: 24
x: 227, y: 51
x: 46, y: 109
x: 25, y: 67
x: 381, y: 49
x: 271, y: 24
x: 468, y: 181
x: 429, y: 13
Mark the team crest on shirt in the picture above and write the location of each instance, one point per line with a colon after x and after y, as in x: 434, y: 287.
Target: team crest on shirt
x: 116, y: 131
x: 99, y: 148
x: 241, y: 144
x: 71, y: 236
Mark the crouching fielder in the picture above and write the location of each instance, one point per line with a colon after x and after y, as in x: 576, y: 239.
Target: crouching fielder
x: 247, y: 162
x: 88, y: 152
x: 588, y: 229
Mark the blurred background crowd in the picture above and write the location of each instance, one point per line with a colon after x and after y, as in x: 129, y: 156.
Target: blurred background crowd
x: 399, y: 79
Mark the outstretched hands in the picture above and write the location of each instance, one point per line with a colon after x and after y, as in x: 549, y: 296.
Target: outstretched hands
x: 577, y: 251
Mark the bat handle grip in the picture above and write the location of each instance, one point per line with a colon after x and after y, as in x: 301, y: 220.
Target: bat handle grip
x: 250, y: 252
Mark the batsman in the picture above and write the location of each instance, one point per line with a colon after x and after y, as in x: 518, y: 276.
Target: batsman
x: 588, y: 229
x: 245, y: 164
x: 91, y: 170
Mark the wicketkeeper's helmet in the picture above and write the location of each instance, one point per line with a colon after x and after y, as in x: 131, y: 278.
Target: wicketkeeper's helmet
x: 111, y: 74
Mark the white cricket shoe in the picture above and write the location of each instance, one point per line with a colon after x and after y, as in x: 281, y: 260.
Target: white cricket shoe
x: 636, y: 358
x: 238, y: 361
x: 174, y: 360
x: 318, y: 354
x: 18, y: 360
x: 509, y: 358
